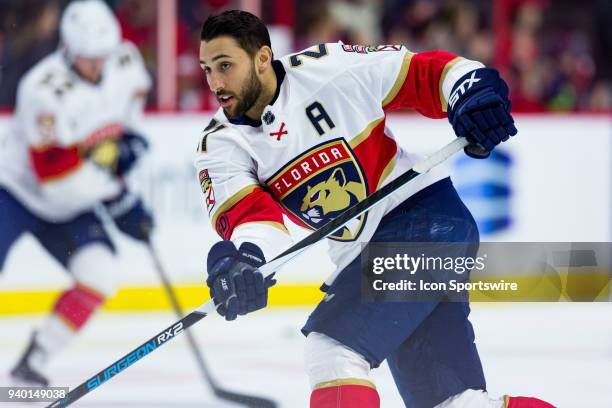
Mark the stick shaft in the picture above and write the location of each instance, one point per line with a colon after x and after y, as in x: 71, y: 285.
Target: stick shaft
x: 179, y: 312
x: 130, y: 358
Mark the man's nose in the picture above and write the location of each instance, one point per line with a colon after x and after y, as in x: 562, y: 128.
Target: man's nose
x: 215, y: 83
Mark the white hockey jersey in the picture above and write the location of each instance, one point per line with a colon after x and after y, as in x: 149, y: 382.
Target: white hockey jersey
x: 58, y: 116
x: 322, y: 144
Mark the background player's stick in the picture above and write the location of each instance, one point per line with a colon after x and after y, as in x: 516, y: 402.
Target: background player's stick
x: 329, y: 228
x: 246, y: 400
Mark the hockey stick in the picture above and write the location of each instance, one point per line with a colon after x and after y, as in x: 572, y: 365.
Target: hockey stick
x: 246, y: 400
x: 330, y: 227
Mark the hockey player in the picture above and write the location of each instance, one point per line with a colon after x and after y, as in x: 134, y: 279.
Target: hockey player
x: 71, y: 143
x: 305, y: 135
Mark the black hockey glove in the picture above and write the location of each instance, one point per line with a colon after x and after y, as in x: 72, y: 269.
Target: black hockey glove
x: 119, y: 155
x: 479, y: 110
x: 130, y: 216
x: 236, y: 285
x: 131, y: 147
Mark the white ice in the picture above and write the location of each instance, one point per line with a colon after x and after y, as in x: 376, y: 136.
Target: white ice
x: 559, y: 352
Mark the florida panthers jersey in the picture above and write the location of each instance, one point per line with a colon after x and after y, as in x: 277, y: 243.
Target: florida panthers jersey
x: 58, y: 117
x: 322, y: 144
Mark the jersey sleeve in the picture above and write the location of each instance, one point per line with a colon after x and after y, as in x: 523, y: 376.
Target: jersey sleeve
x: 239, y: 208
x: 401, y: 79
x: 64, y: 176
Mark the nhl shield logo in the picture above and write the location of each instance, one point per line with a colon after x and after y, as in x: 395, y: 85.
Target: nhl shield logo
x: 268, y: 118
x: 320, y: 184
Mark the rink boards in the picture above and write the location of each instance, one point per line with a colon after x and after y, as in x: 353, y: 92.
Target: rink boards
x: 558, y: 179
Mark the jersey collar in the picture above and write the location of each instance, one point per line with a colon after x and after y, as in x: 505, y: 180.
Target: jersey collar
x: 279, y: 70
x: 245, y: 120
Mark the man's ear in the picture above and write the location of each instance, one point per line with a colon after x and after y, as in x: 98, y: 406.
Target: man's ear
x: 263, y: 59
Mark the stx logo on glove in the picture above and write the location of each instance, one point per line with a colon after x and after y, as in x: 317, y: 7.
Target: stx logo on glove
x: 461, y: 89
x: 224, y: 284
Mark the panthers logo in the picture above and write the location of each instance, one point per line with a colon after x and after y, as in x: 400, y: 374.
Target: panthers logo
x: 329, y: 198
x: 320, y: 185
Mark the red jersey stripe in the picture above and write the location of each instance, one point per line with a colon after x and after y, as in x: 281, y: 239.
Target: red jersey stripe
x: 53, y: 161
x: 256, y: 206
x: 374, y: 153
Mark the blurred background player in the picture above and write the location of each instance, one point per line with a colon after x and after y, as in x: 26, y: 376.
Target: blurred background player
x: 71, y: 143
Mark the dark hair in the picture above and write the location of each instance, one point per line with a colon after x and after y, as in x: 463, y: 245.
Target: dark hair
x: 247, y: 29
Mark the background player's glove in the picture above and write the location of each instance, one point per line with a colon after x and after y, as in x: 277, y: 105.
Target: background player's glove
x: 236, y: 286
x: 130, y: 216
x: 131, y: 147
x: 479, y: 110
x: 119, y: 155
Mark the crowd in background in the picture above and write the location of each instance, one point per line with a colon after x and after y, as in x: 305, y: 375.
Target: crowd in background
x: 555, y: 54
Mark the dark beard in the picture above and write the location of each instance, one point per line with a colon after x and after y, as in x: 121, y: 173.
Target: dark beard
x: 249, y: 94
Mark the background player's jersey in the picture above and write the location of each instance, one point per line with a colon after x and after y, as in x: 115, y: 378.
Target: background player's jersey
x: 323, y: 144
x: 58, y: 118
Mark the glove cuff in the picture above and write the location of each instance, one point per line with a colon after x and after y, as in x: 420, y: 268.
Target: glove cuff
x: 473, y: 82
x: 251, y: 254
x: 220, y: 250
x: 121, y: 204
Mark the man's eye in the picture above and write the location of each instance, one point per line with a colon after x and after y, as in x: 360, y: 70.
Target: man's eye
x: 225, y: 66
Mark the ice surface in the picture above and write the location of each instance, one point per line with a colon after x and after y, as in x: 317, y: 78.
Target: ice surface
x: 560, y: 352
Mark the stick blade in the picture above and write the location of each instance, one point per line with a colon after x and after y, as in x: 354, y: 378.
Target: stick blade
x: 246, y: 400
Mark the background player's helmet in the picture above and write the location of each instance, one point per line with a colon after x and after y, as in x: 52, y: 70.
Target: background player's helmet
x: 89, y: 29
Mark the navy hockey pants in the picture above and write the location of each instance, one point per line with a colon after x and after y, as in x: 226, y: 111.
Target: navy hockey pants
x: 429, y: 346
x: 61, y: 240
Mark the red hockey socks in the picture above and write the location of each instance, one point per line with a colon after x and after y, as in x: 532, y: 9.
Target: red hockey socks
x: 76, y: 305
x: 345, y: 396
x: 71, y: 311
x: 525, y: 402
